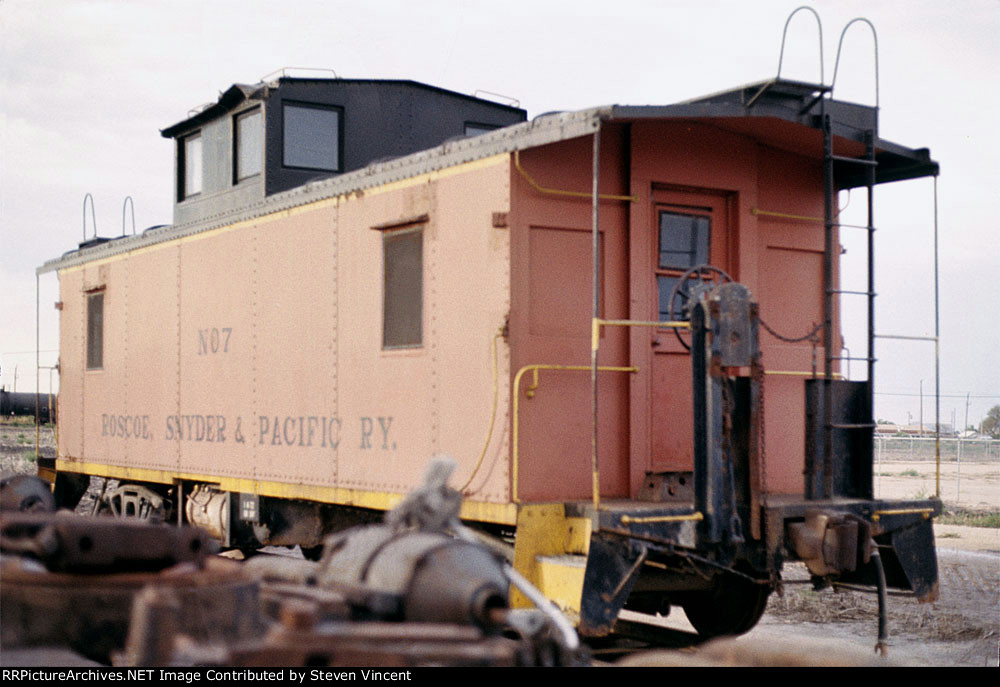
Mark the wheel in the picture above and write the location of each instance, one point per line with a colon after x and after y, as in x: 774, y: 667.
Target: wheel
x: 732, y: 608
x: 679, y: 300
x: 134, y: 501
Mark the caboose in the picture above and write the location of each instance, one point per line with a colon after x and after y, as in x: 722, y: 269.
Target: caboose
x: 622, y: 323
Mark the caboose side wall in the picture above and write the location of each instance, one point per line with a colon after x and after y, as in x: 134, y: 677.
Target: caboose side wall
x: 551, y: 275
x: 645, y: 422
x: 251, y: 355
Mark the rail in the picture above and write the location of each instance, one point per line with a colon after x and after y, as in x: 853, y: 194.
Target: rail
x: 562, y: 192
x: 595, y: 343
x: 530, y: 392
x: 926, y: 512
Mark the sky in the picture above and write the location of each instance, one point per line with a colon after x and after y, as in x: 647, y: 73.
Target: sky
x: 86, y: 86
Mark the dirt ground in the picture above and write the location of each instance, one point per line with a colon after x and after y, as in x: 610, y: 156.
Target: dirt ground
x: 962, y: 628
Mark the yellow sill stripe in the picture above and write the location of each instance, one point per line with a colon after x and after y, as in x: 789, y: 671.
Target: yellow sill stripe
x: 480, y: 511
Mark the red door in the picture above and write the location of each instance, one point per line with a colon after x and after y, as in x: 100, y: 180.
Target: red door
x: 688, y: 229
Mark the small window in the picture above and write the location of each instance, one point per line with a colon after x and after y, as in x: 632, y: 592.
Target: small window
x: 248, y: 145
x: 403, y: 288
x: 95, y: 331
x: 683, y: 240
x: 683, y: 243
x: 311, y: 137
x: 190, y: 166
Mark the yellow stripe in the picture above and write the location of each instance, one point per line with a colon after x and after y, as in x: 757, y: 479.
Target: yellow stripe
x: 626, y: 519
x: 309, y: 207
x: 481, y: 511
x: 925, y: 512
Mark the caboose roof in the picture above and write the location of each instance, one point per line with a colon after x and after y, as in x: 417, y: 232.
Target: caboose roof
x: 779, y: 113
x: 237, y: 94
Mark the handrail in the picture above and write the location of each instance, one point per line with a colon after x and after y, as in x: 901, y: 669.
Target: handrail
x: 926, y: 512
x: 93, y: 217
x: 561, y: 192
x: 784, y: 35
x: 840, y: 45
x: 128, y: 203
x: 530, y: 392
x: 493, y: 413
x: 595, y: 343
x: 811, y: 375
x: 936, y: 339
x: 597, y: 323
x: 696, y: 517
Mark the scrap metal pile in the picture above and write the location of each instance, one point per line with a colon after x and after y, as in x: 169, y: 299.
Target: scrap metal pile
x: 417, y: 590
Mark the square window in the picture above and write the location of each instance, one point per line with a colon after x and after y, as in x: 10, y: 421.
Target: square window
x: 683, y: 240
x: 403, y: 288
x: 190, y: 166
x: 311, y: 138
x: 95, y: 331
x: 248, y: 145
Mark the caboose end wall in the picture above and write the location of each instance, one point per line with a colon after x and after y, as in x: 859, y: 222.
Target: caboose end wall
x: 662, y: 171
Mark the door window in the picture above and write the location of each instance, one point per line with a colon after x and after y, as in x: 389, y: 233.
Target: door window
x: 683, y: 242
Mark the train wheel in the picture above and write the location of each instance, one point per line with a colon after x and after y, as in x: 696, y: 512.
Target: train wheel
x: 732, y: 608
x: 134, y: 501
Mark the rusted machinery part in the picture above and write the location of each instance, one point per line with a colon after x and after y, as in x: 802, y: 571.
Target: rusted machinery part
x: 25, y: 493
x: 438, y: 578
x: 91, y: 613
x: 318, y: 627
x: 65, y: 542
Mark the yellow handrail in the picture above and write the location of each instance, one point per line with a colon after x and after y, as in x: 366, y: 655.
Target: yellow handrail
x: 835, y: 375
x: 595, y: 343
x: 560, y: 192
x: 493, y: 413
x: 696, y: 516
x: 926, y: 512
x: 530, y: 392
x: 597, y: 323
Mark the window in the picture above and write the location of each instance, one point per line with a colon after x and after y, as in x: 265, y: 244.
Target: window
x: 311, y: 138
x: 403, y: 288
x: 95, y: 331
x: 248, y: 145
x: 189, y: 166
x: 683, y: 243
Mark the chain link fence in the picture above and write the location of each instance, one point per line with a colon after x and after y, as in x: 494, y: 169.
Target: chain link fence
x: 953, y: 449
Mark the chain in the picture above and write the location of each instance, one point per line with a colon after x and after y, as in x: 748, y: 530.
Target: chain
x: 788, y: 339
x: 759, y: 373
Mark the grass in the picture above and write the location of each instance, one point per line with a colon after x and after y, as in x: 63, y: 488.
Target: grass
x: 909, y: 473
x: 969, y: 518
x: 19, y: 421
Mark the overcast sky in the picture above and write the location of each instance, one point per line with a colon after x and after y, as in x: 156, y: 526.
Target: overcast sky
x: 85, y: 87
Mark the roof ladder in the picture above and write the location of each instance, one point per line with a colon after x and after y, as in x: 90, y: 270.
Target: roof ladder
x: 831, y: 223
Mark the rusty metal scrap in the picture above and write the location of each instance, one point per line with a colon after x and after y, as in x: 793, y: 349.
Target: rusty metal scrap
x: 405, y: 593
x: 66, y: 543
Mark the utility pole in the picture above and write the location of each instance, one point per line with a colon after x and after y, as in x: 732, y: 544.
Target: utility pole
x: 966, y: 426
x: 921, y: 408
